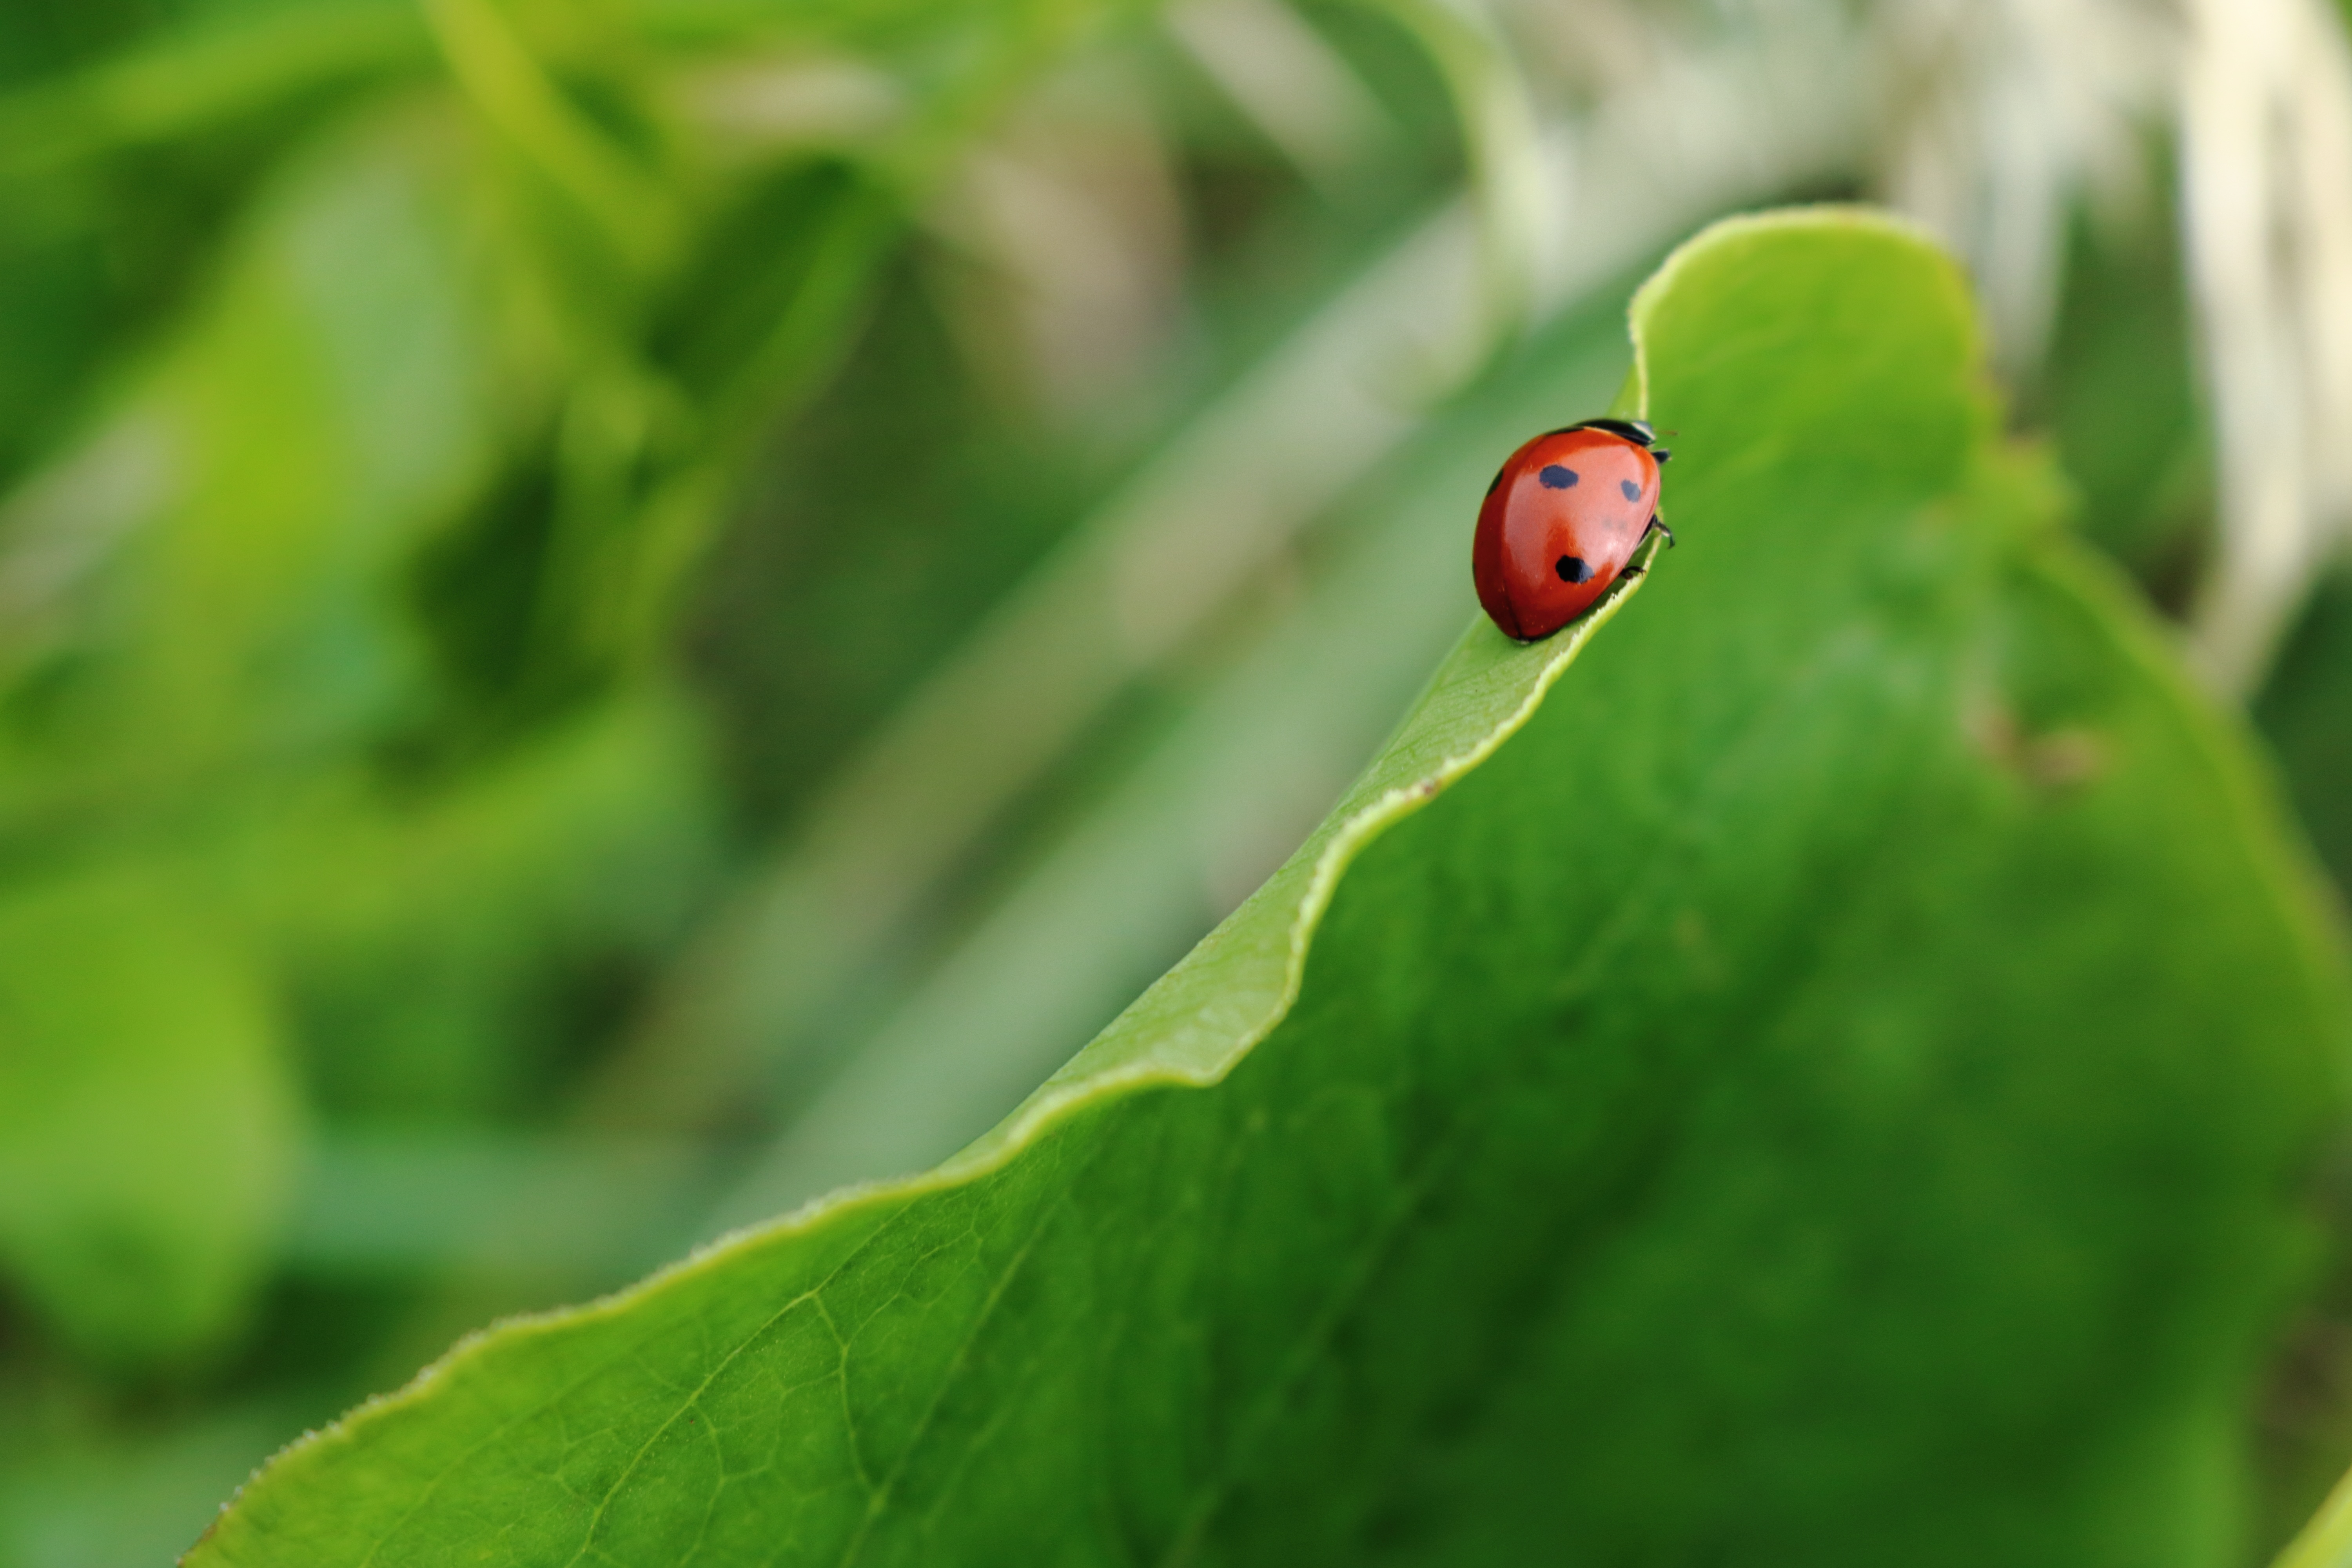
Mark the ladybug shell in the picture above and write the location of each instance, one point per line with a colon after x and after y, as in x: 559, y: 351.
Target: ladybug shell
x: 1557, y: 525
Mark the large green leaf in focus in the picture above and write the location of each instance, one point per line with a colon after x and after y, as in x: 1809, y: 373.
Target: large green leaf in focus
x: 1825, y: 1083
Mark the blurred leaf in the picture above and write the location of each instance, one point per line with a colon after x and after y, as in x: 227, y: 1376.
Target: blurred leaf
x: 2120, y: 396
x: 146, y: 1122
x: 75, y: 1495
x: 184, y: 79
x: 1852, y: 1042
x: 214, y: 666
x: 203, y: 585
x: 119, y: 180
x: 439, y: 944
x: 2306, y: 711
x: 559, y: 1209
x: 2327, y: 1541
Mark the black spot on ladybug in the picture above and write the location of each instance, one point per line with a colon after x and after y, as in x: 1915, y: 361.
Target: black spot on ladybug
x: 1572, y: 569
x: 1632, y: 492
x: 1555, y: 478
x: 1493, y: 482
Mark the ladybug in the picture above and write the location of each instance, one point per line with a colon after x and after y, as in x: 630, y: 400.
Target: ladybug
x: 1560, y: 522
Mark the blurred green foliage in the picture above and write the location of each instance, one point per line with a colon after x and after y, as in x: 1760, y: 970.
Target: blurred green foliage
x: 147, y: 1123
x: 2119, y: 398
x: 475, y: 480
x: 2303, y: 711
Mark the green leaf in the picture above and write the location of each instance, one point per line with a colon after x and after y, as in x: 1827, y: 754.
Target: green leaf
x: 1825, y: 1082
x: 2302, y: 710
x: 147, y: 1123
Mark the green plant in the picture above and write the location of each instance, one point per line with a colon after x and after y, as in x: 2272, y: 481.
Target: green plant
x: 1820, y: 1068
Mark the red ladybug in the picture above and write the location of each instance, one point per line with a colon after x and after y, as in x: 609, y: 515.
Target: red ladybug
x: 1561, y: 520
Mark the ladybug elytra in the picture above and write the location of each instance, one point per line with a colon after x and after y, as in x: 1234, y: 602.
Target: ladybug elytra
x: 1560, y: 522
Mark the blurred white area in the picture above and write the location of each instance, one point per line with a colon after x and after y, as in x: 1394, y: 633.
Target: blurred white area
x: 1074, y: 234
x: 2267, y: 176
x: 1281, y: 73
x: 753, y: 109
x: 1996, y: 119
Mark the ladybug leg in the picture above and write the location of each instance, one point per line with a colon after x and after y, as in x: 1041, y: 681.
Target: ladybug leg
x: 1657, y: 525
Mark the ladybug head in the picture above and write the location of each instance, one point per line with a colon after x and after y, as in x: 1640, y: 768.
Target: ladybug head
x: 1637, y: 431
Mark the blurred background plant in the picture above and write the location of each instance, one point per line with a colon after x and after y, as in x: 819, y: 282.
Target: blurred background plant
x: 614, y: 615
